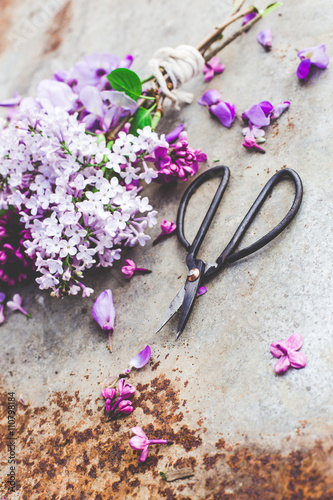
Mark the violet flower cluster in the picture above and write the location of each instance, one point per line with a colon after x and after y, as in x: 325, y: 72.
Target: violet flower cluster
x: 259, y: 116
x: 123, y: 404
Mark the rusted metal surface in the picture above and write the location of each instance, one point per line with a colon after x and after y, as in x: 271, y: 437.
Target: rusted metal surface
x: 245, y: 432
x: 88, y: 459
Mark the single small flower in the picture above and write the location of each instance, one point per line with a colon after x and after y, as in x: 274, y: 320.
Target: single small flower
x: 250, y: 143
x: 174, y: 134
x: 108, y: 393
x: 2, y: 316
x: 202, y: 290
x: 287, y: 352
x: 125, y: 407
x: 212, y: 68
x: 141, y: 442
x: 104, y: 312
x: 16, y: 304
x: 125, y: 390
x: 248, y: 17
x: 131, y: 268
x: 315, y: 56
x: 167, y: 228
x: 141, y: 359
x: 264, y: 37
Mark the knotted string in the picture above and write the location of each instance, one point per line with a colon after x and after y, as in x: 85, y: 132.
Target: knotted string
x: 180, y: 65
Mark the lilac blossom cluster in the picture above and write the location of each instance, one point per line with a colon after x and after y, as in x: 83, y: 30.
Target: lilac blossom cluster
x: 76, y: 196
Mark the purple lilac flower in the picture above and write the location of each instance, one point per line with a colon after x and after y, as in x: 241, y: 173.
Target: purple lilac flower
x: 250, y: 143
x: 248, y: 17
x: 131, y: 268
x: 224, y: 111
x: 287, y: 352
x: 265, y: 37
x: 125, y: 389
x: 141, y: 359
x: 108, y: 393
x: 179, y: 161
x: 16, y: 304
x: 125, y: 407
x: 315, y: 56
x: 104, y: 312
x: 15, y: 265
x: 167, y: 228
x: 212, y: 68
x: 141, y: 442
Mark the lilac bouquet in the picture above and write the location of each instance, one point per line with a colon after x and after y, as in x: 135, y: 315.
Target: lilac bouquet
x: 71, y: 168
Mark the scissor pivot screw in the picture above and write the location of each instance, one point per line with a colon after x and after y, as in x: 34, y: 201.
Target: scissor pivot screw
x: 193, y: 274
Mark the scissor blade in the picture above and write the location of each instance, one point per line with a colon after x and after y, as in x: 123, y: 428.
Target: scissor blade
x: 172, y: 309
x: 191, y: 290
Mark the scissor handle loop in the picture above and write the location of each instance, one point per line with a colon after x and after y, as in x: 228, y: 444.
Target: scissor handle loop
x: 228, y: 255
x: 192, y: 248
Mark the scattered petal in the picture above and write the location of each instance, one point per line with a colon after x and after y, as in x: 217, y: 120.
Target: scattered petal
x: 264, y: 37
x: 295, y: 342
x: 174, y: 134
x: 141, y: 359
x: 103, y: 311
x: 22, y: 401
x: 202, y: 290
x: 210, y: 97
x: 297, y: 359
x: 282, y: 364
x: 225, y: 112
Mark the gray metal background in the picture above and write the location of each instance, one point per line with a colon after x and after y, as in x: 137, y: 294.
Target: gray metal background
x: 246, y: 432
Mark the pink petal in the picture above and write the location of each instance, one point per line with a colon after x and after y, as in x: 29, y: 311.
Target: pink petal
x: 141, y: 359
x: 275, y: 348
x: 137, y: 443
x: 143, y: 455
x: 295, y: 342
x: 297, y: 359
x: 282, y: 365
x: 139, y: 432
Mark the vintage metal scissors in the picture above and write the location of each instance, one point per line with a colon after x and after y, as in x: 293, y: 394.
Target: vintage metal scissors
x: 199, y: 271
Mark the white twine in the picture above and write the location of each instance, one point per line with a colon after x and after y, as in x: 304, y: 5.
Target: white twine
x: 180, y: 64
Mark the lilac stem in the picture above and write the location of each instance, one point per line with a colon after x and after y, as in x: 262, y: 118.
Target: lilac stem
x: 116, y: 403
x: 159, y: 441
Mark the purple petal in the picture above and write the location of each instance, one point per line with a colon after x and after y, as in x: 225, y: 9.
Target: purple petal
x: 216, y: 64
x: 57, y: 93
x: 248, y: 17
x: 210, y: 97
x: 266, y: 106
x: 295, y: 342
x: 257, y: 116
x: 276, y: 350
x: 174, y: 134
x: 103, y: 310
x: 224, y: 112
x: 2, y: 296
x: 282, y: 365
x: 91, y: 100
x: 303, y: 69
x: 319, y: 57
x: 202, y: 290
x: 141, y: 359
x: 13, y: 101
x: 209, y: 74
x: 279, y: 109
x: 264, y: 37
x: 297, y: 359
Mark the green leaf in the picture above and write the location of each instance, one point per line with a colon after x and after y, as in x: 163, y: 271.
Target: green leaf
x: 141, y: 119
x: 270, y: 8
x: 125, y: 80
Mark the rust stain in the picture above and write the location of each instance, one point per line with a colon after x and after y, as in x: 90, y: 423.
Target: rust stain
x: 65, y: 451
x: 59, y: 26
x: 5, y: 21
